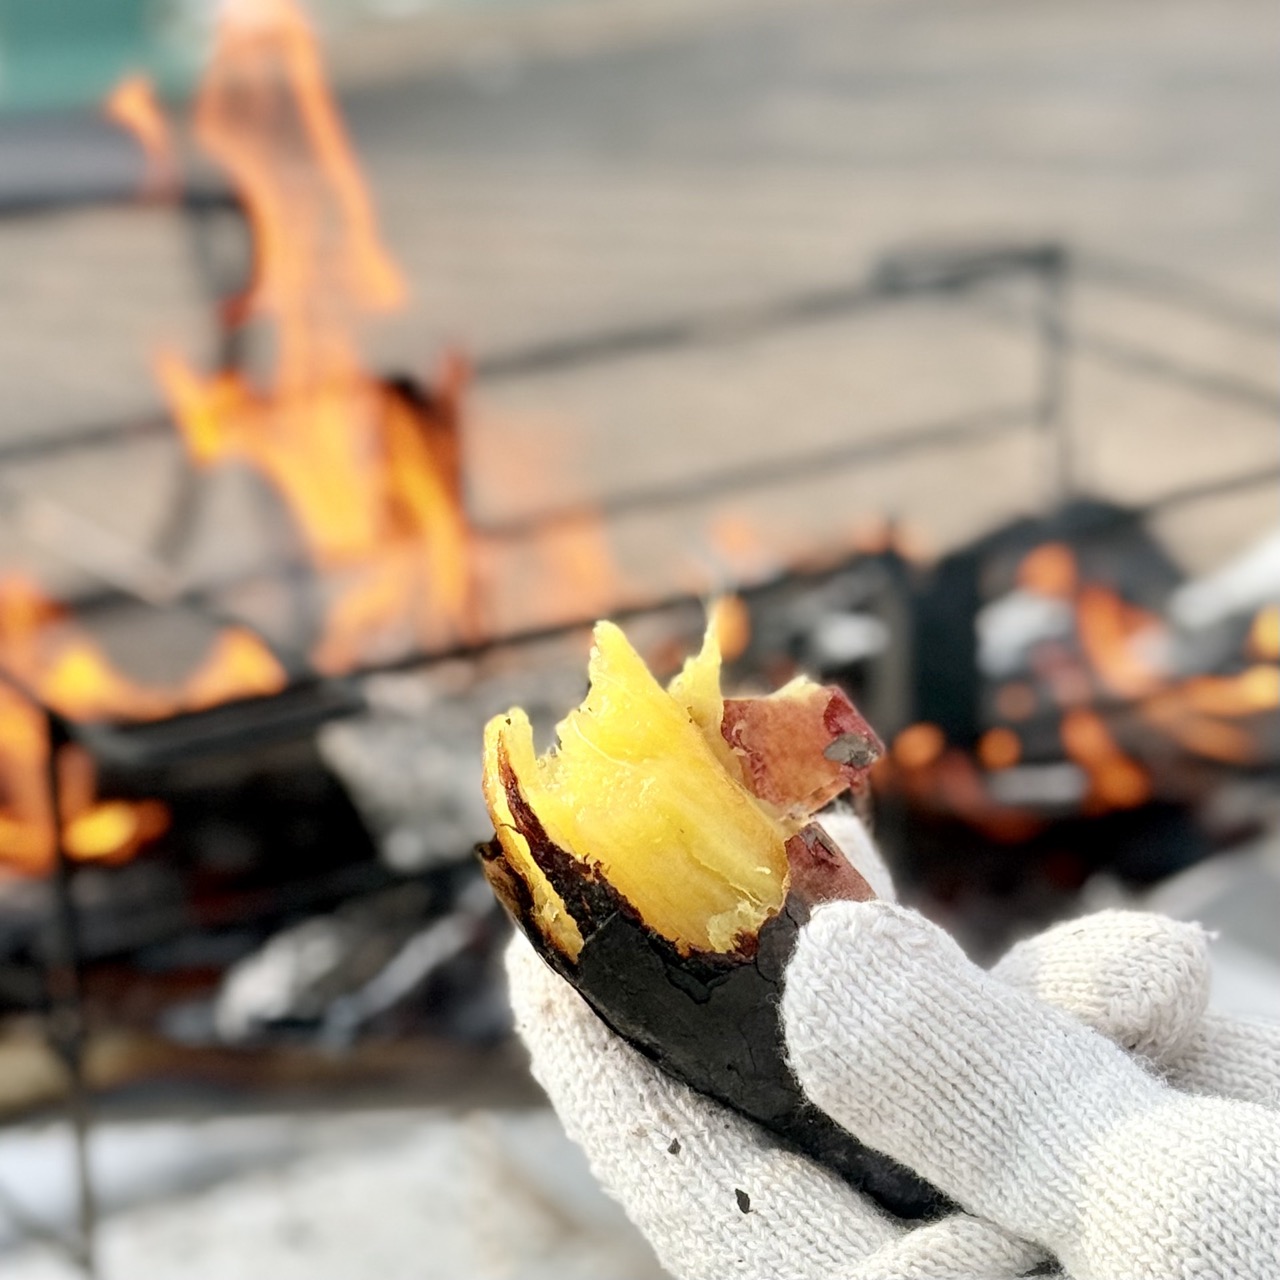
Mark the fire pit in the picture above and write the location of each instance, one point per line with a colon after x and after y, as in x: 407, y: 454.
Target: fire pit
x: 232, y: 769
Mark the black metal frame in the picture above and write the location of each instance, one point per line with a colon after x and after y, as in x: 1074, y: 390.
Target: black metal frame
x: 308, y: 702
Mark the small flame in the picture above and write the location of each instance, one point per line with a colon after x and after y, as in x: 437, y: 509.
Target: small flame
x: 58, y: 664
x: 265, y: 113
x: 1264, y: 635
x: 102, y: 830
x: 132, y: 105
x: 1115, y: 781
x: 43, y: 649
x: 1118, y: 639
x: 1050, y: 570
x: 999, y: 748
x: 92, y: 829
x: 731, y: 626
x: 918, y: 745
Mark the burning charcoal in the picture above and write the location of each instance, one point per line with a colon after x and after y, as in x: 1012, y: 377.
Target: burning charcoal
x: 662, y: 860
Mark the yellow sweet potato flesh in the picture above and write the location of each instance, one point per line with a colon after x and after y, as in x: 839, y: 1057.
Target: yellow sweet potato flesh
x: 643, y: 786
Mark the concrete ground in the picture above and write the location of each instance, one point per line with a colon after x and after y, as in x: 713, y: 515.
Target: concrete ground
x: 422, y: 1195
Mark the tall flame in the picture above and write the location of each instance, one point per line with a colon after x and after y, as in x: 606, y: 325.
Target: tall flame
x: 371, y: 478
x: 1115, y: 781
x: 132, y: 105
x: 371, y: 472
x: 1123, y: 645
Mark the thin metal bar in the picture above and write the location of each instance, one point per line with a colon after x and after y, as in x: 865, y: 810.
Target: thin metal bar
x: 766, y: 473
x: 1175, y: 289
x: 66, y: 1007
x: 1055, y: 354
x: 896, y: 279
x: 309, y: 701
x: 1207, y: 489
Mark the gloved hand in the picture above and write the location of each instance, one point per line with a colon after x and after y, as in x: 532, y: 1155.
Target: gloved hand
x: 991, y: 1085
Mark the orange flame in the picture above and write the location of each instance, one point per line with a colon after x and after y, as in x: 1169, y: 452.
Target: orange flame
x: 1049, y: 570
x: 57, y: 663
x: 132, y: 105
x: 92, y: 829
x: 1264, y: 635
x: 731, y: 623
x: 1114, y: 636
x: 1121, y: 642
x: 1115, y: 781
x: 372, y: 479
x: 999, y: 748
x: 265, y: 113
x: 370, y: 472
x: 46, y: 653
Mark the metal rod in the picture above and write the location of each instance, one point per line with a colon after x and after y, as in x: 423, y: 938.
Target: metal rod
x: 764, y: 473
x: 1051, y: 414
x: 66, y: 1021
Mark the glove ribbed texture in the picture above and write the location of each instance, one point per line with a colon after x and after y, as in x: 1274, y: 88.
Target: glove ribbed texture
x: 715, y: 1197
x: 1021, y: 1114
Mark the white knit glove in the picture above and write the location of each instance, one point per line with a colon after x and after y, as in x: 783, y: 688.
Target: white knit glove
x: 1055, y: 1140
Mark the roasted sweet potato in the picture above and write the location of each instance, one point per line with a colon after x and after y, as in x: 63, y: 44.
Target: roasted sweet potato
x: 662, y: 857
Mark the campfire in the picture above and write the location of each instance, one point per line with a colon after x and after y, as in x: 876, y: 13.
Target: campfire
x: 1039, y: 693
x: 366, y: 470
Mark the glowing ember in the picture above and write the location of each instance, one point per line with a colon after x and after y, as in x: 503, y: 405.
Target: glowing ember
x: 1115, y: 781
x: 731, y: 624
x: 918, y: 745
x: 1118, y: 638
x: 1049, y: 570
x: 110, y: 830
x: 1264, y: 634
x: 999, y: 748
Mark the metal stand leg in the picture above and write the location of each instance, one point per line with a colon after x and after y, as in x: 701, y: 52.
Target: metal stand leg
x: 1051, y: 413
x: 66, y: 1022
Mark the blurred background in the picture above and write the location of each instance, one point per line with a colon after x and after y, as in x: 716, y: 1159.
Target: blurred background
x: 356, y: 357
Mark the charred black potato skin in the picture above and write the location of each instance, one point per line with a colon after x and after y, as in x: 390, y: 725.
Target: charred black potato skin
x: 711, y: 1020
